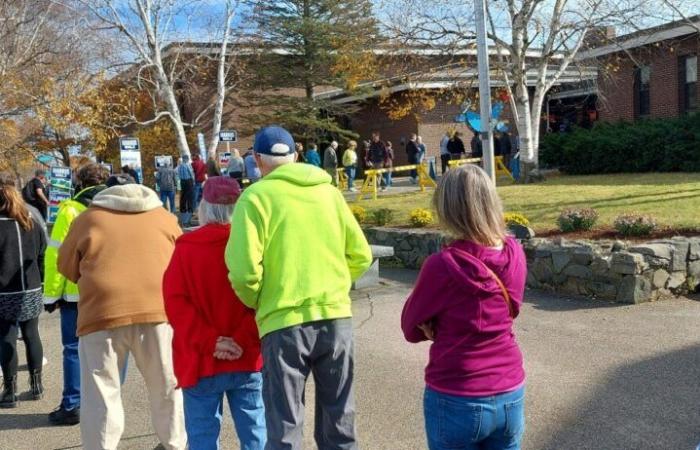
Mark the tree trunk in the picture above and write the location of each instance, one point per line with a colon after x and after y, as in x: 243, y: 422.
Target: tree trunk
x: 168, y: 95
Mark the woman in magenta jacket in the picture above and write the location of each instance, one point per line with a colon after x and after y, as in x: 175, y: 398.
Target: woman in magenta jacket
x: 216, y: 348
x: 465, y: 301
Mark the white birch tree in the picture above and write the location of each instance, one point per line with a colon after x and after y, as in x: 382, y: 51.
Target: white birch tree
x: 157, y: 33
x: 536, y: 42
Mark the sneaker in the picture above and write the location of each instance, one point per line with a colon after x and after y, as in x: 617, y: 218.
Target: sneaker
x: 383, y: 188
x: 352, y: 189
x: 61, y: 416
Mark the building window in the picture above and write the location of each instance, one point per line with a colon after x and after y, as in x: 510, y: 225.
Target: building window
x: 642, y: 106
x: 688, y: 83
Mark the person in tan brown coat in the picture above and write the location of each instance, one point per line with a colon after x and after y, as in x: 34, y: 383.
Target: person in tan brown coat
x: 117, y: 252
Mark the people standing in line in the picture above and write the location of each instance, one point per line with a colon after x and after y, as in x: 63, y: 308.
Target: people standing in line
x: 376, y: 154
x: 423, y: 150
x: 300, y: 153
x: 350, y: 164
x: 389, y: 165
x: 186, y: 176
x: 128, y: 170
x: 456, y: 146
x: 300, y: 291
x: 252, y: 171
x: 213, y: 169
x: 200, y: 176
x: 121, y: 311
x: 465, y: 301
x: 413, y: 152
x: 34, y: 193
x: 236, y: 166
x: 330, y: 162
x: 503, y: 147
x: 62, y: 294
x: 216, y: 347
x: 166, y: 177
x: 22, y: 247
x: 312, y: 156
x: 444, y: 152
x: 476, y: 146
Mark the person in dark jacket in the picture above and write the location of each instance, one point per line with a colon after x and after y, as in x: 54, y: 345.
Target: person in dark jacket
x: 22, y: 247
x: 503, y: 147
x: 456, y: 146
x: 128, y: 170
x: 35, y: 194
x: 216, y: 347
x: 413, y: 152
x: 477, y: 151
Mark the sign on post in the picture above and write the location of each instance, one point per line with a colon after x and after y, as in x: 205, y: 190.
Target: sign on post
x: 224, y: 159
x: 164, y: 161
x: 228, y: 136
x: 61, y: 186
x: 74, y: 150
x: 130, y: 152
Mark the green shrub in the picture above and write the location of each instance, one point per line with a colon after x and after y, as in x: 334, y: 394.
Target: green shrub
x: 516, y: 219
x: 635, y: 225
x: 652, y: 145
x: 577, y: 219
x: 382, y: 216
x: 359, y: 212
x: 421, y: 217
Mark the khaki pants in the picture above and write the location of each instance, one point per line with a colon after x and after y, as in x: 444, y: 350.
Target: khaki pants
x: 102, y: 356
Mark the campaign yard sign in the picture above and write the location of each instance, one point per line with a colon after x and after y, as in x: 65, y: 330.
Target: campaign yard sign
x: 228, y: 136
x: 61, y: 186
x: 130, y: 152
x: 164, y: 161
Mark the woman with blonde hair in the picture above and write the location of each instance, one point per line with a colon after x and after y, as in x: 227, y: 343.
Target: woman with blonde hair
x: 465, y: 301
x: 22, y: 246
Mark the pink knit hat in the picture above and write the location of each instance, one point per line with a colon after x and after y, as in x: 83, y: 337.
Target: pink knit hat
x: 221, y: 190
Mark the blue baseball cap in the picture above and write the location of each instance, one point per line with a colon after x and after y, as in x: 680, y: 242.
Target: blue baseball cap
x: 275, y: 141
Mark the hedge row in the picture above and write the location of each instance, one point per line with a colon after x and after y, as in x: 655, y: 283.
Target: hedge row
x: 652, y: 145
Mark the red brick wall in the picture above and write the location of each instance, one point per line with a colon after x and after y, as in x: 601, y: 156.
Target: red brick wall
x: 373, y: 118
x: 616, y: 80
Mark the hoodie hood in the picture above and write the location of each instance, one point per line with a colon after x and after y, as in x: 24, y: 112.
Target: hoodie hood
x: 299, y: 174
x: 210, y: 234
x: 130, y: 198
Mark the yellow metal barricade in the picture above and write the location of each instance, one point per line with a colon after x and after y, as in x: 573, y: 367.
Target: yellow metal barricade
x: 501, y: 168
x: 373, y: 176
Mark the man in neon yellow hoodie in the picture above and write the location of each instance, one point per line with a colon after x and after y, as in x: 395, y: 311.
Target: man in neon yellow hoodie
x: 299, y: 287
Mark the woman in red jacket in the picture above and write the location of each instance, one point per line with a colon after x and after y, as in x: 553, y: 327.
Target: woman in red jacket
x: 216, y: 348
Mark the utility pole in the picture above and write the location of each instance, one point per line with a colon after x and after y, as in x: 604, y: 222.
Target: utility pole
x: 482, y: 51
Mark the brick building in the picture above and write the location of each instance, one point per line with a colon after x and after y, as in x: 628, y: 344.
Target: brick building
x: 652, y: 73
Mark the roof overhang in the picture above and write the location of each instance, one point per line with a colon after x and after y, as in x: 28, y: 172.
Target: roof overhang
x: 448, y: 80
x: 652, y: 37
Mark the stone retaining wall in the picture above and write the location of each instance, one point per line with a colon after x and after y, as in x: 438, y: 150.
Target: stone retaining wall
x: 615, y: 270
x: 611, y: 270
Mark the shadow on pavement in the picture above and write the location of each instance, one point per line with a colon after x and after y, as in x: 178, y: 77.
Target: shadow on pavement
x: 9, y: 421
x: 551, y: 302
x: 651, y: 404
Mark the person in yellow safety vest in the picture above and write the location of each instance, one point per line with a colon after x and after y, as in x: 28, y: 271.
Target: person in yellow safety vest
x: 61, y: 293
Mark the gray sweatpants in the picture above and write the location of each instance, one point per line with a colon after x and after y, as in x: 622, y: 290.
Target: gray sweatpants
x: 324, y: 349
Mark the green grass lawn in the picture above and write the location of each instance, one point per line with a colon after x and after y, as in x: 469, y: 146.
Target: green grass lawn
x: 672, y: 198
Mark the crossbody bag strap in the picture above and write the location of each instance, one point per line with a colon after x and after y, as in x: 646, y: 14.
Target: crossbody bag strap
x: 496, y: 278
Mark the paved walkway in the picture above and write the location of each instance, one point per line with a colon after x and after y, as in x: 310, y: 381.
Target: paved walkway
x: 601, y: 376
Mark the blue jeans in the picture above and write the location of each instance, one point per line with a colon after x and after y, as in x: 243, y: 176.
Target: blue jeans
x: 204, y: 410
x: 387, y: 179
x: 474, y: 423
x: 71, y: 361
x: 350, y: 172
x: 197, y: 194
x: 166, y: 196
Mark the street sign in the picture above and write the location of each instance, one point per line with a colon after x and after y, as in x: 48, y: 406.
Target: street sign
x: 228, y: 136
x: 129, y: 144
x: 164, y: 161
